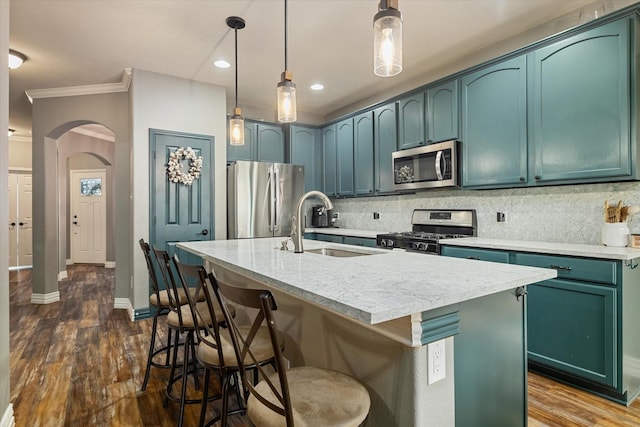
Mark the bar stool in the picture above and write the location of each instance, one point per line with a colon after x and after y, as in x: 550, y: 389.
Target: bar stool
x: 160, y: 300
x: 215, y: 349
x: 301, y: 396
x: 181, y: 321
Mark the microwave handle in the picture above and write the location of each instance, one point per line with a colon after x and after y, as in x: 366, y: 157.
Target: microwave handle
x: 438, y: 163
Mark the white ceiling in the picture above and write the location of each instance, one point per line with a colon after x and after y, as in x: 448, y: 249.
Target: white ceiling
x: 86, y: 42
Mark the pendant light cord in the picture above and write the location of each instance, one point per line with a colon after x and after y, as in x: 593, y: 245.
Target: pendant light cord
x: 285, y: 35
x: 236, y: 44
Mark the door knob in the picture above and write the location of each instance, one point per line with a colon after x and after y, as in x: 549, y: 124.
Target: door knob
x: 21, y: 224
x: 75, y: 222
x: 13, y: 224
x: 204, y: 232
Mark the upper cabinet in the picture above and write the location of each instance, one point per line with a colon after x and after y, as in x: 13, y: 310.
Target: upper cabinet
x: 385, y: 142
x: 579, y: 99
x: 329, y: 160
x: 305, y: 150
x: 262, y: 142
x: 344, y: 150
x: 411, y: 128
x: 442, y: 112
x: 494, y: 124
x: 363, y: 153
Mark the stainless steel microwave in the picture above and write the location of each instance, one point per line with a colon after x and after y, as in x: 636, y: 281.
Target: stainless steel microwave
x: 428, y: 166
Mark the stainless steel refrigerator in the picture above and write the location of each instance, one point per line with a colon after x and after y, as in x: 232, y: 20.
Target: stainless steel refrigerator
x: 261, y: 198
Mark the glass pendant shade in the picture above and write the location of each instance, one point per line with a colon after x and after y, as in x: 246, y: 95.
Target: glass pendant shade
x: 236, y: 128
x: 387, y: 43
x: 287, y: 99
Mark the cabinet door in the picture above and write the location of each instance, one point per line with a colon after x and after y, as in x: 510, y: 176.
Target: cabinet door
x: 270, y: 143
x: 494, y: 125
x: 330, y: 161
x: 304, y: 151
x: 344, y: 142
x: 363, y: 151
x: 360, y: 241
x: 329, y: 238
x: 579, y: 100
x: 385, y: 141
x: 411, y: 129
x: 442, y: 112
x: 246, y: 151
x: 478, y: 254
x: 572, y: 327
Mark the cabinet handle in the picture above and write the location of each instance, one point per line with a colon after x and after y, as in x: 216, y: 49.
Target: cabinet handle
x: 522, y: 179
x: 537, y: 177
x: 560, y: 267
x: 473, y: 257
x: 13, y: 224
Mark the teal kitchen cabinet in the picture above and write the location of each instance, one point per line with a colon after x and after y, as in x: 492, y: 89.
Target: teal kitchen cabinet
x: 579, y: 97
x: 411, y: 122
x: 360, y: 241
x: 494, y: 125
x: 344, y: 150
x: 442, y: 112
x: 262, y: 142
x: 363, y: 153
x: 478, y: 254
x: 347, y: 240
x: 329, y: 160
x: 306, y: 150
x: 385, y: 142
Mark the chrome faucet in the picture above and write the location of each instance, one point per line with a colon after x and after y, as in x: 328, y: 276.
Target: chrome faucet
x: 297, y: 227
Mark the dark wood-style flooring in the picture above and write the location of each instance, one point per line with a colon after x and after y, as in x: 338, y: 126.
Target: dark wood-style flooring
x: 79, y: 362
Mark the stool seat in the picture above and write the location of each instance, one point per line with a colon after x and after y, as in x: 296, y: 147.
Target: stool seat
x: 319, y: 397
x: 173, y: 318
x: 164, y: 298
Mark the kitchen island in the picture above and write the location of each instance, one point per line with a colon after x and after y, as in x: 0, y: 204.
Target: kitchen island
x: 373, y: 316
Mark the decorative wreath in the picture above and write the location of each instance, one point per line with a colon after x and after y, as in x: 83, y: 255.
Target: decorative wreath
x: 174, y: 166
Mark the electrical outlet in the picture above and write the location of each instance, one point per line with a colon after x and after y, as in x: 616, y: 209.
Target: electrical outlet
x: 376, y: 215
x: 336, y: 215
x: 501, y: 217
x: 435, y: 361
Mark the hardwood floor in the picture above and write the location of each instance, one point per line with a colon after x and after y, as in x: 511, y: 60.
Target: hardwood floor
x: 79, y: 362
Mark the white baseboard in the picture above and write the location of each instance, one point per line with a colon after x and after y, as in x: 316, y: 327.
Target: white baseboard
x: 69, y: 262
x: 62, y: 275
x: 7, y: 419
x: 45, y: 298
x: 110, y: 264
x: 125, y: 303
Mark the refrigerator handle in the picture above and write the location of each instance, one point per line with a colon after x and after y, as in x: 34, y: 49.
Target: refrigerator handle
x: 271, y: 198
x: 276, y: 199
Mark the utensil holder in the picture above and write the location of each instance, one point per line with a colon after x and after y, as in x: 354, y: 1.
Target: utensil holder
x: 615, y: 234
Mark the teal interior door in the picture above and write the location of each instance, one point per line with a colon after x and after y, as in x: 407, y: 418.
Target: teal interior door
x: 180, y: 212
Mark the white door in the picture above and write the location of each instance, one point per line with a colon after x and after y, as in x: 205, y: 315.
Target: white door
x: 87, y: 219
x: 25, y: 220
x: 13, y: 220
x: 20, y: 220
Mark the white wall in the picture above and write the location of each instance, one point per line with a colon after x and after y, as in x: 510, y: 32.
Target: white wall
x: 571, y: 213
x: 170, y: 103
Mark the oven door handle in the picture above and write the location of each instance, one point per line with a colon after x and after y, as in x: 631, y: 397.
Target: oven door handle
x: 438, y: 163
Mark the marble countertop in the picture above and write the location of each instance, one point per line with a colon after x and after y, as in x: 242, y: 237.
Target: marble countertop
x: 387, y: 285
x: 572, y: 249
x: 343, y: 232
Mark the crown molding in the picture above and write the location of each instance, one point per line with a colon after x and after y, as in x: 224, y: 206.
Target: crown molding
x: 122, y: 86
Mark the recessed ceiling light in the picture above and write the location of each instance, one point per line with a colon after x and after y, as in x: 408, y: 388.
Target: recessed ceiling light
x: 221, y: 63
x: 317, y: 86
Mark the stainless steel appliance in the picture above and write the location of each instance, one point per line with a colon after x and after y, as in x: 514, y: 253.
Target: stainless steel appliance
x: 434, y: 165
x: 320, y: 216
x: 428, y: 227
x: 261, y: 198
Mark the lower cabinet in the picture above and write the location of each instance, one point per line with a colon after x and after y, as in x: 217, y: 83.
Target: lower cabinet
x: 580, y: 326
x: 347, y: 240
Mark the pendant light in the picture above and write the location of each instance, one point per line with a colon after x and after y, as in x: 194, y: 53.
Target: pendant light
x: 387, y: 39
x: 236, y: 122
x: 11, y: 132
x: 16, y: 59
x: 286, y: 88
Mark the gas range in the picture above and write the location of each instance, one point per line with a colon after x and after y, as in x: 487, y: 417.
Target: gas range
x: 429, y: 226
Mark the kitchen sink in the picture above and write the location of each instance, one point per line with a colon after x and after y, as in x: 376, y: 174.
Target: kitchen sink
x: 342, y: 253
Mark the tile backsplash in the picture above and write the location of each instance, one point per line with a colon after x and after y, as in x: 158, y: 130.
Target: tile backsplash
x: 570, y: 214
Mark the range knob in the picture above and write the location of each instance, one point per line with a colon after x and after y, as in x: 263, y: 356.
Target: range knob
x: 389, y: 243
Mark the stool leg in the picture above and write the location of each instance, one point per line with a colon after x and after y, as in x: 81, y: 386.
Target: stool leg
x: 205, y: 397
x: 168, y: 347
x: 176, y: 342
x: 195, y: 364
x: 152, y: 347
x: 185, y: 372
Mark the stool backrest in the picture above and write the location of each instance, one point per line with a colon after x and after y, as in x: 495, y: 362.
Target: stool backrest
x: 146, y: 250
x: 265, y: 303
x: 164, y: 261
x: 188, y: 273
